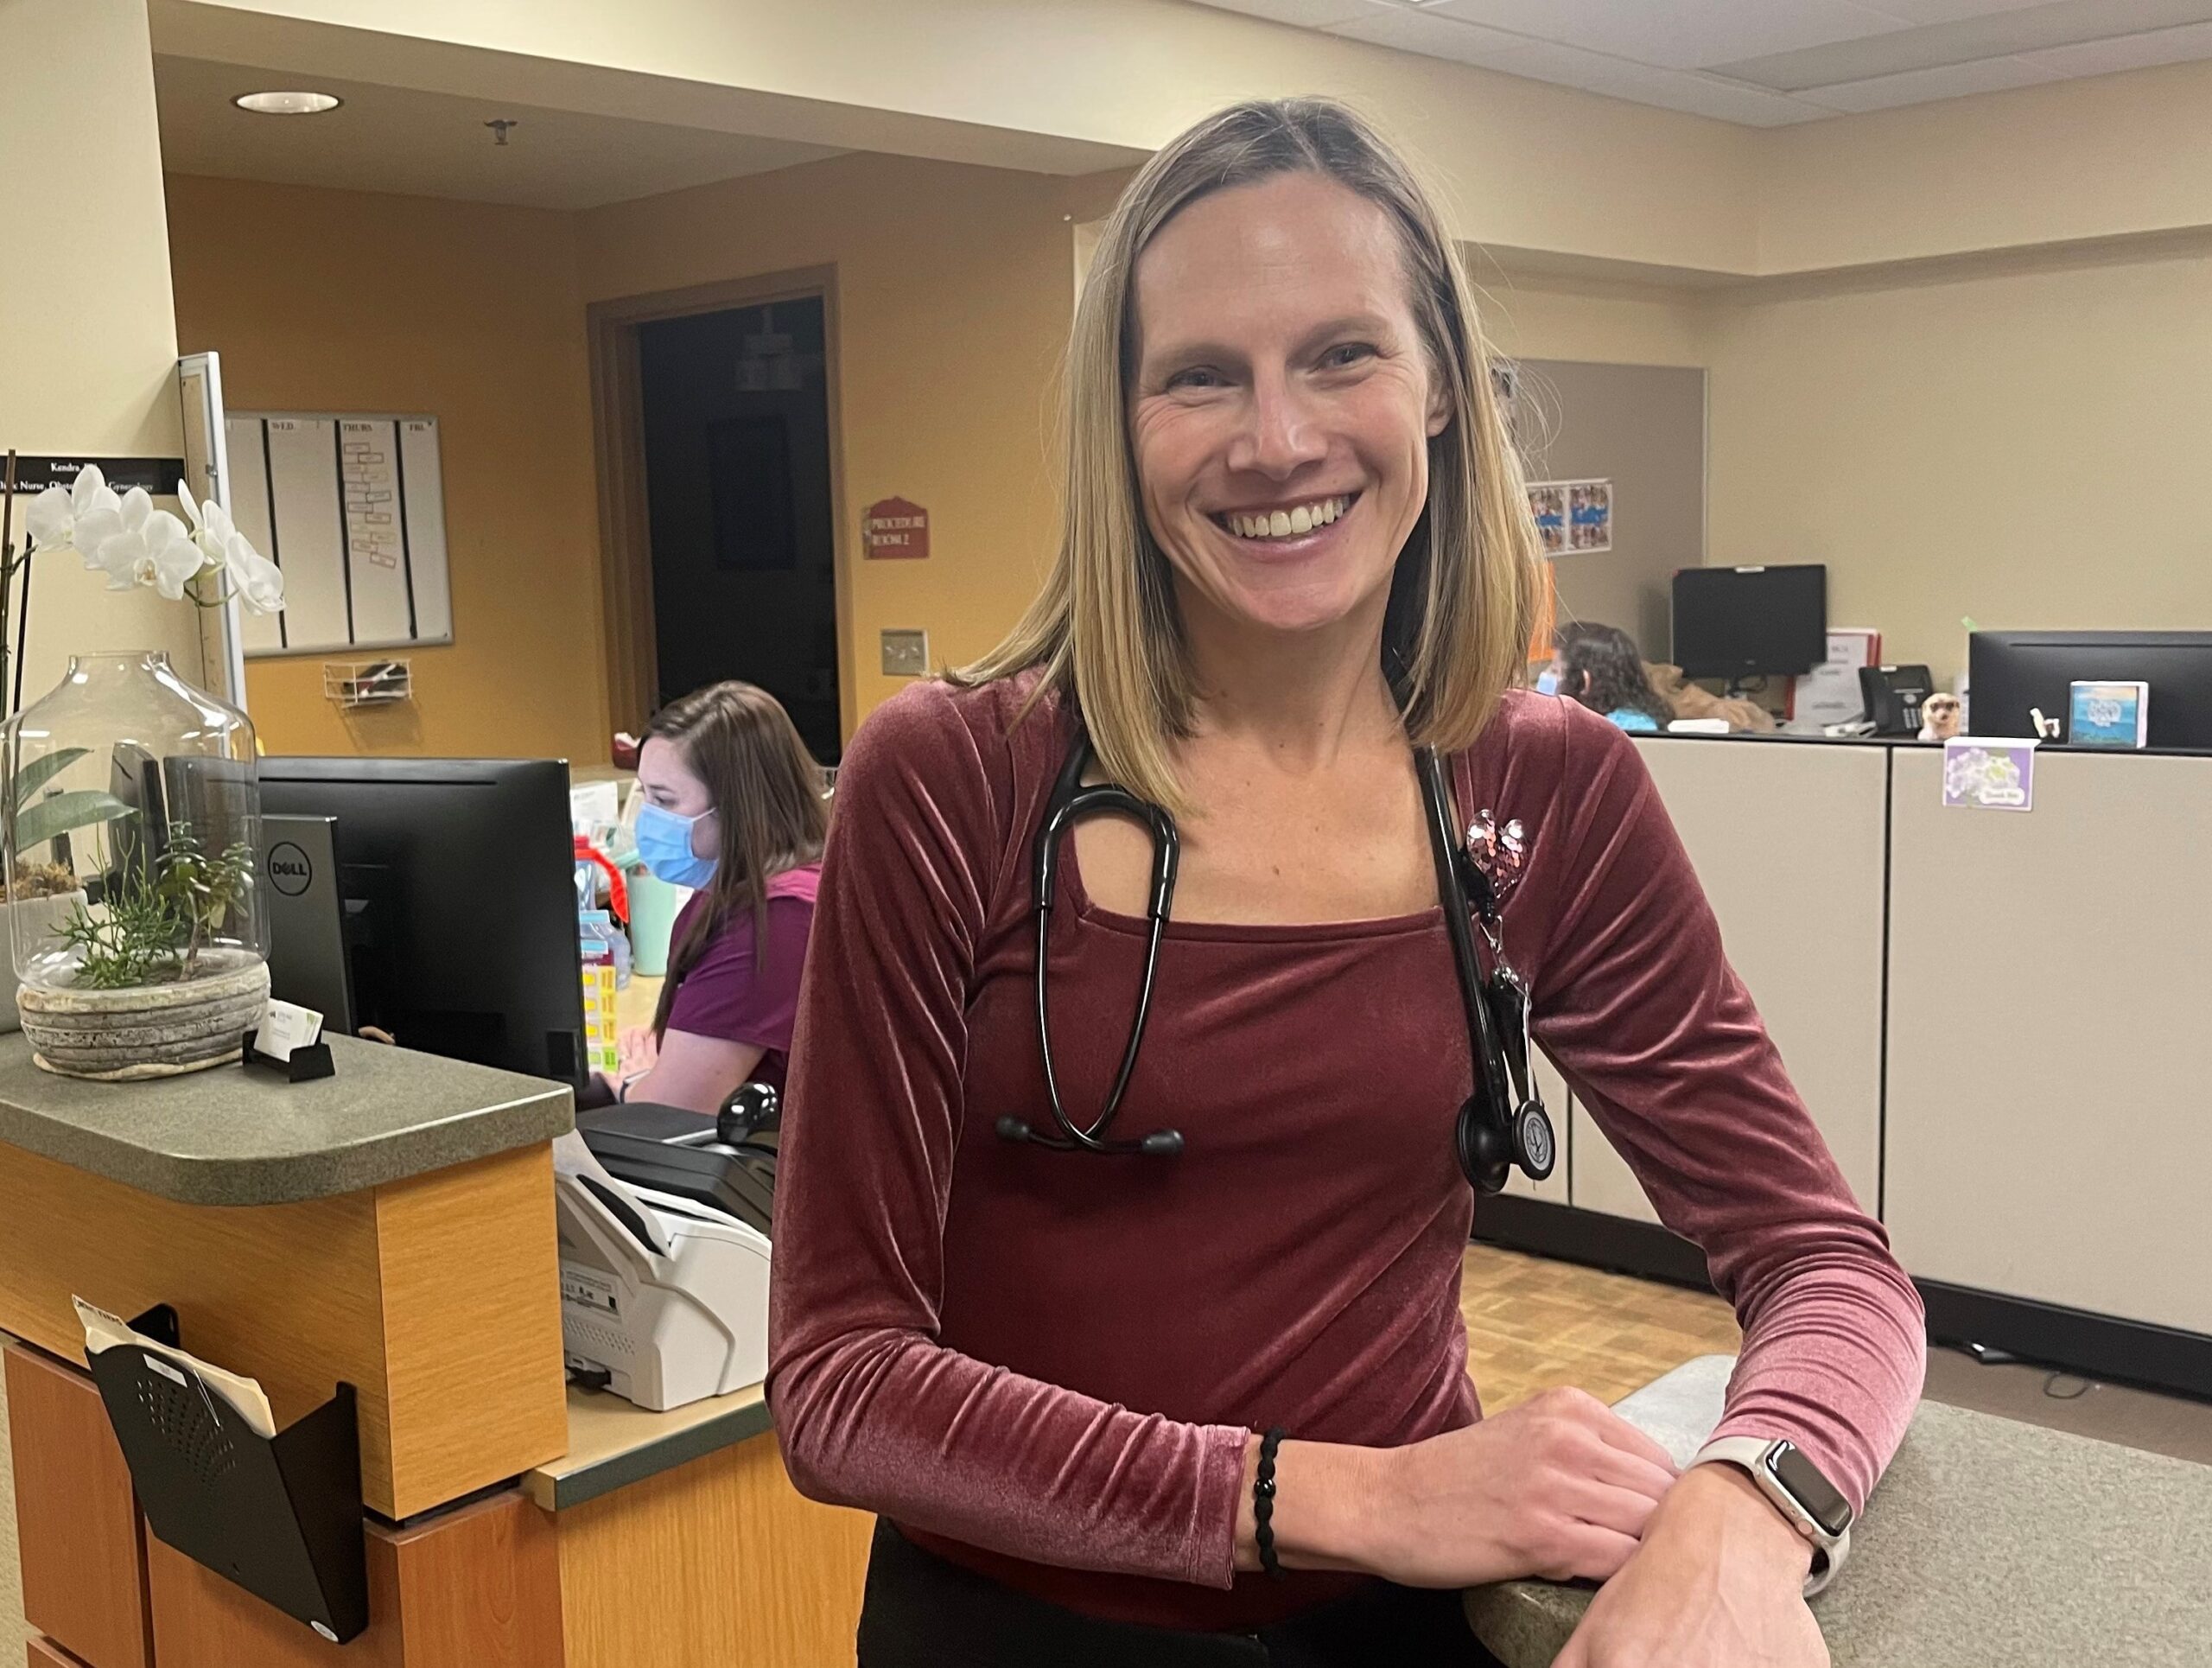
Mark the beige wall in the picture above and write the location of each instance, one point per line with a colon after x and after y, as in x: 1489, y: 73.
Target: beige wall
x: 344, y: 300
x: 1951, y: 441
x: 952, y: 305
x: 2026, y: 446
x: 91, y: 354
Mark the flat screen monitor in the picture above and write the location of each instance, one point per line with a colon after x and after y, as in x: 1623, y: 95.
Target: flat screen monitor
x: 458, y: 880
x: 307, y: 961
x: 2011, y: 671
x: 1751, y: 622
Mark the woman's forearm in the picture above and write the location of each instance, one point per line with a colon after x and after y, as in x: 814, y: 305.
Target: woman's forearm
x: 1330, y: 1507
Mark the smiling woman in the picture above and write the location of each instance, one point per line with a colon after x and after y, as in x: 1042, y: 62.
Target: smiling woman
x: 1196, y: 1392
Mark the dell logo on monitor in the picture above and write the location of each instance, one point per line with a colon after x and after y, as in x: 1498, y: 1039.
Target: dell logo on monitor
x: 289, y: 872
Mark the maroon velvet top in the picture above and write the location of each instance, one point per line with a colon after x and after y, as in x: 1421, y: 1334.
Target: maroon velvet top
x: 744, y: 991
x: 1044, y: 1365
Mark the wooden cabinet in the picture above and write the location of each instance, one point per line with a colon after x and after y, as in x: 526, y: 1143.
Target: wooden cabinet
x: 45, y: 1653
x: 715, y: 1564
x: 83, y: 1543
x: 478, y: 1587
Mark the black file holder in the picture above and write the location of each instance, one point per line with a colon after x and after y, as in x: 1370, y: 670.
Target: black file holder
x: 279, y: 1516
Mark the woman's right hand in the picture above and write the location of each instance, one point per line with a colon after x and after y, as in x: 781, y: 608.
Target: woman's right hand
x: 1559, y: 1486
x: 637, y: 1048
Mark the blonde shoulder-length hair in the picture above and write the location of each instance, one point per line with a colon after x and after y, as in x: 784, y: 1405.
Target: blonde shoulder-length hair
x: 1105, y: 631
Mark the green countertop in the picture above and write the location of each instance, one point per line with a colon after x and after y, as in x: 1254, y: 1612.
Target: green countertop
x: 1988, y: 1544
x: 235, y: 1135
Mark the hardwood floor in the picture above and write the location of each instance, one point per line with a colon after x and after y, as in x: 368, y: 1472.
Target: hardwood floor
x: 1532, y: 1323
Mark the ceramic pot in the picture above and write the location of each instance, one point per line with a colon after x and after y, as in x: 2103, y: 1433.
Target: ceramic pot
x: 147, y: 1030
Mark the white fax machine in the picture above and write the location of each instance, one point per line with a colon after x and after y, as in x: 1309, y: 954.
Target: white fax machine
x: 667, y: 1297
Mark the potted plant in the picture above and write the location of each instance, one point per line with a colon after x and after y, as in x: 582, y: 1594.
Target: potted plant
x: 134, y: 800
x: 164, y: 976
x: 45, y: 892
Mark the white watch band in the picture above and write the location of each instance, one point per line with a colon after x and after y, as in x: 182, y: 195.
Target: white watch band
x: 1749, y: 1455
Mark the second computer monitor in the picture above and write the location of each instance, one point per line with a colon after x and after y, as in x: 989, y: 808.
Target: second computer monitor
x: 1750, y: 622
x: 458, y: 877
x: 2014, y: 673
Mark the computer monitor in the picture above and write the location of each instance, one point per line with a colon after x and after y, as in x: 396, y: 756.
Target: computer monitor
x: 1750, y: 622
x: 459, y: 882
x: 2011, y: 671
x: 309, y: 964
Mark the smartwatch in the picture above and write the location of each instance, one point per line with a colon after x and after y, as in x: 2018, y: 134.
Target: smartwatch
x: 1816, y: 1508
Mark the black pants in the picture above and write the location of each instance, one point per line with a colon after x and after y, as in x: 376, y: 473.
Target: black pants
x: 922, y: 1612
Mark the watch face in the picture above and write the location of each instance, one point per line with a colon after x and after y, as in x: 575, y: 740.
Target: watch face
x: 1812, y: 1491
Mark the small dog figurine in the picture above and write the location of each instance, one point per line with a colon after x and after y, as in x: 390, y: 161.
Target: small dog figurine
x: 1939, y: 718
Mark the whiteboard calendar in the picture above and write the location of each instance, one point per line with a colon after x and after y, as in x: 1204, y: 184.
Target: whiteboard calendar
x: 351, y: 507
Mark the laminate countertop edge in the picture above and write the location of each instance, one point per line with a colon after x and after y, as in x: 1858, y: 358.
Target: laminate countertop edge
x: 233, y: 1137
x: 625, y: 1445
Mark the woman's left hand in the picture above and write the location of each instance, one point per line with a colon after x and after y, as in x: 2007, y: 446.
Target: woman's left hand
x: 1718, y: 1583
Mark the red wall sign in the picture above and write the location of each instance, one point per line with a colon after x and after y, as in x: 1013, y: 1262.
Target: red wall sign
x: 895, y: 528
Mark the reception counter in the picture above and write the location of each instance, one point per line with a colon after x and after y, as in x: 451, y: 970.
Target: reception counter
x: 390, y: 1228
x: 1988, y: 1541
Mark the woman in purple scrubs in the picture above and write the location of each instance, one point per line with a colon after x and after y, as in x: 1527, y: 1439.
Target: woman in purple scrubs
x: 734, y: 808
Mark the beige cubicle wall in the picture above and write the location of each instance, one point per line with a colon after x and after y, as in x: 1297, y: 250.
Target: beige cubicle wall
x: 2050, y: 1036
x: 1788, y: 841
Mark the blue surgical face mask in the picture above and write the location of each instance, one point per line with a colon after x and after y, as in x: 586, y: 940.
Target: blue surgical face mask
x: 665, y: 844
x: 1548, y: 682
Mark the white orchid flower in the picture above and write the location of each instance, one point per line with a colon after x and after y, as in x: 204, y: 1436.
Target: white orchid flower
x: 212, y: 527
x: 103, y: 524
x: 57, y: 512
x: 146, y: 547
x: 260, y: 581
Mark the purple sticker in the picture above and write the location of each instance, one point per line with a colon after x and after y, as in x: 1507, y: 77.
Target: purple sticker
x: 1982, y: 773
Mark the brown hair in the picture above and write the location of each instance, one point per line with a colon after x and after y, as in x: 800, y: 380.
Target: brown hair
x: 1607, y: 659
x: 766, y: 795
x: 1464, y: 594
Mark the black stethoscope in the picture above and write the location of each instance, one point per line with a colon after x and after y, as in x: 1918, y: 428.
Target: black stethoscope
x: 1501, y: 1125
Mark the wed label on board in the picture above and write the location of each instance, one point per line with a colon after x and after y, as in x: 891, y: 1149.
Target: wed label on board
x: 895, y: 529
x: 1984, y: 773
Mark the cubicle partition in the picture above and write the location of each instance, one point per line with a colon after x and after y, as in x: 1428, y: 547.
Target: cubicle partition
x: 1998, y: 1019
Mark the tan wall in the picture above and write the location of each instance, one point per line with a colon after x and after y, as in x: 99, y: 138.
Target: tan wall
x: 952, y: 307
x: 1952, y: 444
x: 2025, y: 448
x: 344, y: 300
x: 90, y: 353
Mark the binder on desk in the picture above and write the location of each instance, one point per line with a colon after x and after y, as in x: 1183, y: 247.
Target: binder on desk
x: 279, y: 1515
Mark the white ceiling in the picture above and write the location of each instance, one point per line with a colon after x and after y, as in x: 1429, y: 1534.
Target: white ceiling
x: 436, y: 144
x: 1765, y: 63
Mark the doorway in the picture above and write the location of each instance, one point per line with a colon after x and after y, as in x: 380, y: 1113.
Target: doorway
x: 735, y: 411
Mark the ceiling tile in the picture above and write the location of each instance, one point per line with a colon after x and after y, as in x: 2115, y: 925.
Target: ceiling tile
x: 1670, y: 89
x: 1306, y: 14
x: 2174, y: 46
x: 1678, y: 34
x: 1965, y: 41
x: 1922, y: 86
x: 1438, y: 37
x: 1949, y: 11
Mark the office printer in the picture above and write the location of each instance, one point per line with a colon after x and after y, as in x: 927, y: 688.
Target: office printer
x: 667, y: 1297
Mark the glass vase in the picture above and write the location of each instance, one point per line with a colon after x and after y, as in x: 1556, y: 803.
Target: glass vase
x: 131, y: 827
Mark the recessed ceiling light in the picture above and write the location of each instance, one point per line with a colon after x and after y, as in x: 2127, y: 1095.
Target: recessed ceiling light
x: 287, y: 104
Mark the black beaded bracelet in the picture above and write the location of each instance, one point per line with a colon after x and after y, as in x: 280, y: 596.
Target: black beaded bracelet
x: 1264, y: 1503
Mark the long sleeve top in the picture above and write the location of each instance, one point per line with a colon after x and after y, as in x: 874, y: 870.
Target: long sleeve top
x: 1044, y: 1365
